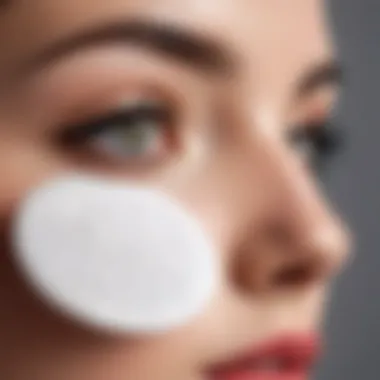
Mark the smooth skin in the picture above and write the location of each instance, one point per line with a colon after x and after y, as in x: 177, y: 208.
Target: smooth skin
x: 267, y: 67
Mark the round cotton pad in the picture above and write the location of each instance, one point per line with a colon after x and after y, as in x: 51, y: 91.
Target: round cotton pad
x: 115, y: 256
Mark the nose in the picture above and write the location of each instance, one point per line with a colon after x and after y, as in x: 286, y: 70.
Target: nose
x: 293, y: 237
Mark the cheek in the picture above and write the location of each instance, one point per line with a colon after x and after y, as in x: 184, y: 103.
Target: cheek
x: 22, y: 166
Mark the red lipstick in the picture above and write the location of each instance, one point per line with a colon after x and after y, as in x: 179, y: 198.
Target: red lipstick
x: 288, y: 358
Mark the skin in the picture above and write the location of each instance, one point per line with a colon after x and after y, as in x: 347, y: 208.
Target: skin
x: 226, y: 159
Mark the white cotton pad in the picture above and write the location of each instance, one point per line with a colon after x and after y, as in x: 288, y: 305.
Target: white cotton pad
x: 115, y: 256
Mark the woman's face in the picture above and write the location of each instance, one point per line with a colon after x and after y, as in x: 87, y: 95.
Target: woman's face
x: 243, y: 91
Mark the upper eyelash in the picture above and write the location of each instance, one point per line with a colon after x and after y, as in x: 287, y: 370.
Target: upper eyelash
x: 328, y: 138
x: 79, y: 133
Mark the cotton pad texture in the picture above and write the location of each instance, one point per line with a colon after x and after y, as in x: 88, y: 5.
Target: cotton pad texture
x: 114, y: 256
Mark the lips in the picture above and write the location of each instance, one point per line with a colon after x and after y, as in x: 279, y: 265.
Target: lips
x: 288, y: 358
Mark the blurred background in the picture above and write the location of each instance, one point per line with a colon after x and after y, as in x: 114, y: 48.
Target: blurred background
x: 353, y: 324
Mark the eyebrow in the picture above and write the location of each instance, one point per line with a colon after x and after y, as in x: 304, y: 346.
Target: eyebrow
x: 174, y: 42
x: 326, y: 74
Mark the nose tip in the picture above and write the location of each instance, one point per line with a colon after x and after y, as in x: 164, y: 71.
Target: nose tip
x: 282, y: 257
x: 332, y: 244
x: 317, y: 258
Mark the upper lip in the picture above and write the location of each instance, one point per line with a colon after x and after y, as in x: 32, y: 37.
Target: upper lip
x: 292, y: 351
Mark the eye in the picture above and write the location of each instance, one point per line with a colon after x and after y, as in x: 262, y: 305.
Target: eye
x: 137, y: 131
x: 317, y: 144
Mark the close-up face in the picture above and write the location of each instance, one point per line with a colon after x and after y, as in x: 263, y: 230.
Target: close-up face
x: 225, y: 106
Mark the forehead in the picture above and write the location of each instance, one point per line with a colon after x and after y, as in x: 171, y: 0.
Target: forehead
x: 278, y: 38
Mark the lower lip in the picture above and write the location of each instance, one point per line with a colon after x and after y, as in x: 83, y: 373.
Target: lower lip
x: 261, y: 375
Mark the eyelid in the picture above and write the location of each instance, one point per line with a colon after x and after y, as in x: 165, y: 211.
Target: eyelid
x: 90, y: 85
x: 104, y: 100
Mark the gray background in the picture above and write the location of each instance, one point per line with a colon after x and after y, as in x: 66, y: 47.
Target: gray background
x: 353, y: 324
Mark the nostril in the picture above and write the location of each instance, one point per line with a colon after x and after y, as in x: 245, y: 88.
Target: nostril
x: 297, y: 274
x: 292, y: 277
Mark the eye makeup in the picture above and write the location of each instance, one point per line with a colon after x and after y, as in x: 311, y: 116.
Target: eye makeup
x: 137, y: 131
x: 318, y: 143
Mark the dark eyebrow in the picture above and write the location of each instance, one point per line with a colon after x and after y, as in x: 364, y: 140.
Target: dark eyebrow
x: 174, y: 42
x: 326, y: 74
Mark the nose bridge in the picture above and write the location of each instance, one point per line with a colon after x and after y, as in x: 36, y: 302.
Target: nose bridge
x: 293, y: 201
x: 298, y: 209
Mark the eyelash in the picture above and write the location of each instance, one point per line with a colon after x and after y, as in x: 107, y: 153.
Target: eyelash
x: 325, y: 139
x: 79, y: 134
